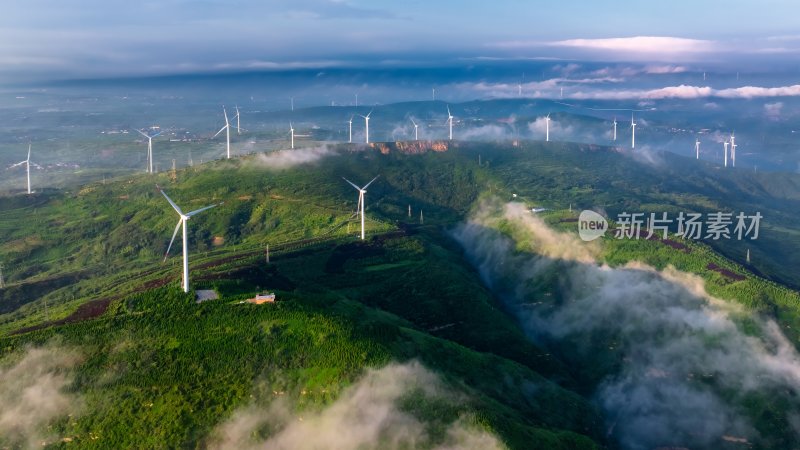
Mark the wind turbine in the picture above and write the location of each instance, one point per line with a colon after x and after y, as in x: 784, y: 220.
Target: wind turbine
x: 697, y: 148
x: 360, y: 207
x: 450, y: 121
x: 227, y: 129
x: 149, y: 149
x: 238, y: 128
x: 182, y: 223
x: 350, y: 128
x: 547, y: 128
x: 366, y: 126
x: 615, y: 129
x: 291, y: 130
x: 733, y: 149
x: 416, y: 129
x: 27, y: 163
x: 726, y: 153
x: 633, y: 132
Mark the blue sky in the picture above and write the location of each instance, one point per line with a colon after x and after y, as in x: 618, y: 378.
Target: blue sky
x: 99, y: 38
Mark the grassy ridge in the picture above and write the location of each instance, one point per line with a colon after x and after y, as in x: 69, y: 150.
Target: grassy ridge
x: 158, y: 361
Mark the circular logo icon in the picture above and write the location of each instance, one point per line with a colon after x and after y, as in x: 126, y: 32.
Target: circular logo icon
x: 591, y: 225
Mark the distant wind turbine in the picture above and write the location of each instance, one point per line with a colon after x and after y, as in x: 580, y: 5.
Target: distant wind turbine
x: 697, y: 148
x: 366, y: 127
x: 182, y: 223
x: 726, y: 153
x: 350, y: 129
x: 450, y: 121
x: 633, y: 132
x: 615, y: 129
x: 227, y: 129
x: 361, y: 200
x: 291, y: 130
x: 416, y: 129
x: 27, y: 163
x: 433, y: 95
x: 519, y: 90
x: 238, y: 128
x: 733, y: 149
x: 547, y: 128
x: 149, y: 149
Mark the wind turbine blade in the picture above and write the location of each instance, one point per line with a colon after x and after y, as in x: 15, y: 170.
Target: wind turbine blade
x: 156, y: 134
x: 220, y: 131
x: 29, y: 153
x: 370, y: 113
x: 198, y: 211
x: 177, y: 227
x: 358, y: 206
x: 351, y: 183
x: 415, y: 123
x: 365, y: 187
x: 18, y: 164
x: 171, y: 202
x: 143, y: 134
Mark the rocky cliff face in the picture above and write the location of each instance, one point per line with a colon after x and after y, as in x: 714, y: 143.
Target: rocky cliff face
x: 412, y: 147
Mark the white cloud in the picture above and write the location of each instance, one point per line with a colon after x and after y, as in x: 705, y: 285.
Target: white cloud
x: 773, y: 110
x: 664, y: 69
x: 689, y: 92
x: 558, y: 132
x: 365, y: 416
x: 284, y: 159
x: 532, y: 89
x: 641, y: 44
x: 33, y: 394
x: 669, y: 336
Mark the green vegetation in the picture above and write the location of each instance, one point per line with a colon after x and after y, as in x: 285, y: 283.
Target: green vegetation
x: 160, y: 371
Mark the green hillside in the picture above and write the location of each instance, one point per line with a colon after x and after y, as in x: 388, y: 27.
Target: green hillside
x: 84, y: 272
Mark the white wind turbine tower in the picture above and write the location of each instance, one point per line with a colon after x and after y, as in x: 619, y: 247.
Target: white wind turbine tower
x: 416, y: 129
x: 149, y: 149
x: 350, y: 129
x: 238, y: 128
x: 615, y: 129
x: 182, y: 223
x: 450, y: 121
x: 547, y: 128
x: 291, y: 130
x: 227, y: 129
x: 361, y: 200
x: 733, y: 149
x: 726, y: 153
x: 27, y: 163
x: 633, y: 132
x: 366, y: 127
x: 697, y: 148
